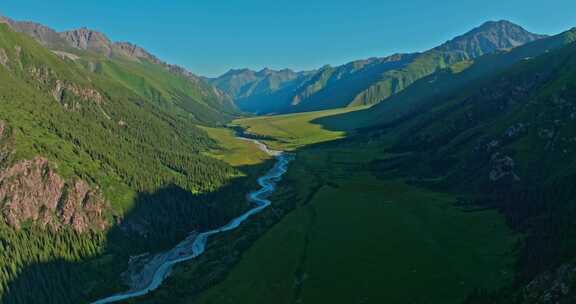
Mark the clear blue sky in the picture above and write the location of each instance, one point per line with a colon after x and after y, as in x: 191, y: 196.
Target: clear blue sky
x: 212, y: 36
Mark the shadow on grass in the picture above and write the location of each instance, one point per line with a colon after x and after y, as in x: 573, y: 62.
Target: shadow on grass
x: 343, y: 122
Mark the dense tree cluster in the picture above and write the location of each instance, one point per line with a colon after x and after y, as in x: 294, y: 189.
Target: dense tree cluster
x: 22, y: 252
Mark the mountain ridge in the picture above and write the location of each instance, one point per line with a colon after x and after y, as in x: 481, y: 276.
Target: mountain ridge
x: 84, y: 39
x: 370, y: 81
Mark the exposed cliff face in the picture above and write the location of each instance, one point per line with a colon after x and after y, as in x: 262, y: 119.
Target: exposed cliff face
x: 86, y: 39
x: 31, y: 191
x: 60, y: 89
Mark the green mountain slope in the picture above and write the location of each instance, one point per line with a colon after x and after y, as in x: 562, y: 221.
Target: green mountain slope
x: 444, y: 84
x: 100, y: 158
x: 487, y: 38
x: 505, y: 142
x: 169, y: 85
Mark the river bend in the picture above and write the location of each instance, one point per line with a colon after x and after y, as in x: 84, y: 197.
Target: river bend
x: 159, y: 267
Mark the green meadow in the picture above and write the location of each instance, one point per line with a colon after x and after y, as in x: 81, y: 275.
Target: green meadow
x: 359, y: 238
x: 232, y: 150
x: 292, y: 131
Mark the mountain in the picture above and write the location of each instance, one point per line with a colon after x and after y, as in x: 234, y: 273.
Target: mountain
x: 81, y: 39
x: 103, y: 155
x: 96, y: 51
x: 510, y: 141
x: 499, y: 133
x: 441, y: 84
x: 370, y: 81
x: 488, y: 38
x: 251, y: 89
x: 494, y: 136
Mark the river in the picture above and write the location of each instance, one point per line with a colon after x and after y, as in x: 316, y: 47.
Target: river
x: 159, y: 267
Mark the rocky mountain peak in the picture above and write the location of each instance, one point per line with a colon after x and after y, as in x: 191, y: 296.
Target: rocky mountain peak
x: 87, y: 39
x: 489, y: 37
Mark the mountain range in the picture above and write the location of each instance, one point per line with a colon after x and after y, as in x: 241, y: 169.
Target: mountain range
x: 362, y: 82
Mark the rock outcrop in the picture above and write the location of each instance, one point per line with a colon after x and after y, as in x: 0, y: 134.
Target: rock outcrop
x: 31, y: 191
x: 86, y: 39
x: 59, y: 89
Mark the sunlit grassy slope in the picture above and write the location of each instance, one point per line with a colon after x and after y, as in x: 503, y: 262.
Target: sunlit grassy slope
x: 361, y: 238
x: 292, y: 131
x: 234, y: 151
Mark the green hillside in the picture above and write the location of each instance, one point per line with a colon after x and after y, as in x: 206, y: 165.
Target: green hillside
x: 120, y: 141
x: 444, y: 84
x: 506, y: 141
x: 194, y: 101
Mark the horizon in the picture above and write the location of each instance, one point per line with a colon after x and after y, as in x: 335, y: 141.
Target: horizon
x: 215, y: 62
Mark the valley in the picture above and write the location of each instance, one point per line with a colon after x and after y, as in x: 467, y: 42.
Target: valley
x: 344, y: 242
x: 292, y: 131
x: 436, y: 176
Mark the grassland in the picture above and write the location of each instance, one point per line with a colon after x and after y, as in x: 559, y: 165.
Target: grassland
x: 234, y: 151
x: 292, y: 131
x: 363, y: 239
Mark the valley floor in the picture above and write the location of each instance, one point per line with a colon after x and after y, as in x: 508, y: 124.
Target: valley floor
x: 289, y: 132
x: 342, y: 231
x: 358, y: 238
